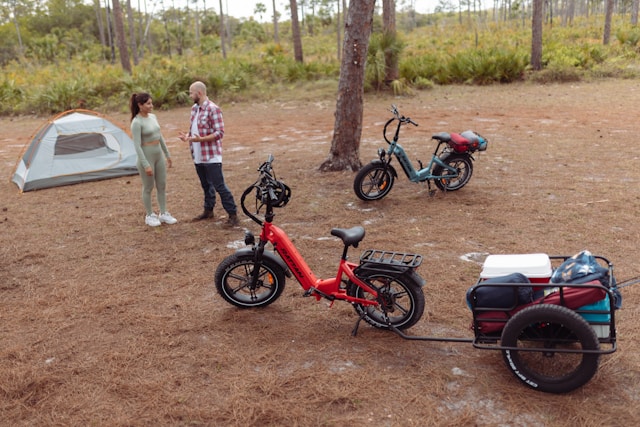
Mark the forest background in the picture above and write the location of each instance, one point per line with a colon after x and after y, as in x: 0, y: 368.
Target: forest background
x: 62, y: 54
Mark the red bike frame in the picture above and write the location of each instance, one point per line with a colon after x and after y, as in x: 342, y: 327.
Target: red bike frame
x: 317, y: 287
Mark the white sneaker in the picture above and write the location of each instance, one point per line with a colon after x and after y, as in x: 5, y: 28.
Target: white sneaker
x: 152, y: 220
x: 167, y: 218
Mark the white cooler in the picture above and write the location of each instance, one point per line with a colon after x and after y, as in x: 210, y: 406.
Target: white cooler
x: 536, y: 267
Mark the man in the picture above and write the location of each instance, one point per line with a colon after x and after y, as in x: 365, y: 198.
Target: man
x: 205, y: 142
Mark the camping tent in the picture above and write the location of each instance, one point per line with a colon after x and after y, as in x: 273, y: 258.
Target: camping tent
x: 72, y: 147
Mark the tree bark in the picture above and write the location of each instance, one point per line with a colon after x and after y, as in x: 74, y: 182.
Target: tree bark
x: 607, y: 22
x: 536, y: 35
x: 338, y: 30
x: 389, y: 27
x: 120, y: 38
x: 344, y: 152
x: 276, y: 35
x: 96, y: 5
x: 222, y: 32
x: 295, y: 31
x: 132, y: 33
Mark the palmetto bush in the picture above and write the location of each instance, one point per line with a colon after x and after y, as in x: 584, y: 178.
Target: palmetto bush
x: 487, y: 66
x: 10, y: 93
x: 447, y: 52
x: 65, y: 90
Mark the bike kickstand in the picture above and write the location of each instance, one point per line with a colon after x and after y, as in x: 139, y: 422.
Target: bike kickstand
x: 432, y: 192
x: 354, y: 332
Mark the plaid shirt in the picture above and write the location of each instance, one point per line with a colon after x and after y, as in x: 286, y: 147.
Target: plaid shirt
x: 209, y: 122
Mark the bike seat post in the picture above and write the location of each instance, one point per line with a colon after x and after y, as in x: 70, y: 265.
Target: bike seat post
x: 344, y: 251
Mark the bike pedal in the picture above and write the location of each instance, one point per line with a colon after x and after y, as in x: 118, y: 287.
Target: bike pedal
x: 309, y: 292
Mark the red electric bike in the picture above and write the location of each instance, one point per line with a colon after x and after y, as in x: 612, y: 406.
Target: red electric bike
x: 384, y: 287
x: 551, y: 343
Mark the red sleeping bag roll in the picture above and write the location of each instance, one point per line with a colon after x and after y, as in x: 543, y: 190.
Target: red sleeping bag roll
x: 572, y: 297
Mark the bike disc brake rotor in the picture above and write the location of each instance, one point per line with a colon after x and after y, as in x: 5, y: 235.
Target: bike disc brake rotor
x: 386, y: 299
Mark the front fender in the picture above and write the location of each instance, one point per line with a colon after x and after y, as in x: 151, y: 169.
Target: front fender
x: 386, y: 166
x: 271, y: 256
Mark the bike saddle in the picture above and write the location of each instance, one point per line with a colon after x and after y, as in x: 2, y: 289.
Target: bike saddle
x: 442, y: 136
x: 350, y: 236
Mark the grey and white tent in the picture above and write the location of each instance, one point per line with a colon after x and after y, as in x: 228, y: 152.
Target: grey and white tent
x: 72, y: 147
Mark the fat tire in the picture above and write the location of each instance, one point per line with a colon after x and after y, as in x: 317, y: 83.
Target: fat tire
x: 408, y: 300
x: 372, y: 182
x: 548, y: 326
x: 463, y: 164
x: 233, y: 278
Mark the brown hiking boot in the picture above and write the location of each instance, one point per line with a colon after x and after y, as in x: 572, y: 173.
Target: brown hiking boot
x: 232, y: 221
x: 206, y: 214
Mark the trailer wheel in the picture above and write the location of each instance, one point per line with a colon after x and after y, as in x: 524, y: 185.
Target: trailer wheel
x: 543, y: 331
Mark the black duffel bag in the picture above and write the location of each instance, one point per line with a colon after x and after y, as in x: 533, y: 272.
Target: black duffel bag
x: 485, y: 296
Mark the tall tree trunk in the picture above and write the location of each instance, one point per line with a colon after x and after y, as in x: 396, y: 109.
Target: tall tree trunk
x: 110, y: 33
x: 536, y: 34
x: 145, y: 39
x: 222, y: 32
x: 338, y: 31
x: 607, y: 22
x: 166, y: 27
x: 634, y: 13
x: 132, y: 33
x: 276, y: 36
x: 389, y: 28
x: 197, y: 23
x: 344, y: 152
x: 96, y: 6
x: 141, y: 30
x: 313, y: 18
x: 17, y: 25
x: 295, y: 31
x: 120, y: 38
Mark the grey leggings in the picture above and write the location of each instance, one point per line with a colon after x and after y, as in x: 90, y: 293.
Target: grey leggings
x: 156, y: 159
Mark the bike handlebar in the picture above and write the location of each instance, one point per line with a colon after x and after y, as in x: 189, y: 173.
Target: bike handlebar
x: 269, y: 191
x: 401, y: 120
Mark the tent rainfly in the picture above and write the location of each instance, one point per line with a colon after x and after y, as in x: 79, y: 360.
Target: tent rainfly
x: 73, y: 147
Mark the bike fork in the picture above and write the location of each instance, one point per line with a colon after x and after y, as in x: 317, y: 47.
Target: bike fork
x: 257, y: 263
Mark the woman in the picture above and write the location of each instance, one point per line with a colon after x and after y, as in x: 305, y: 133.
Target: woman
x: 153, y: 157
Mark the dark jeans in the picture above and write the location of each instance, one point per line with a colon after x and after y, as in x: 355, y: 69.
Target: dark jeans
x: 212, y: 181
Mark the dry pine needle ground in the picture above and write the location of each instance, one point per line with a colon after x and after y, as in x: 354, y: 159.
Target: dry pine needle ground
x: 104, y: 321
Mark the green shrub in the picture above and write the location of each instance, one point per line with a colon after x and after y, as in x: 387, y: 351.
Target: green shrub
x: 487, y: 66
x: 427, y: 66
x: 11, y: 95
x: 60, y: 95
x: 629, y: 37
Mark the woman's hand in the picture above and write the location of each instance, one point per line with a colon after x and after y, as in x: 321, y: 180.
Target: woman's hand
x: 169, y: 162
x: 148, y: 171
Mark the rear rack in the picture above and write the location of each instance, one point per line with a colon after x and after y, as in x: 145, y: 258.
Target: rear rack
x: 390, y: 257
